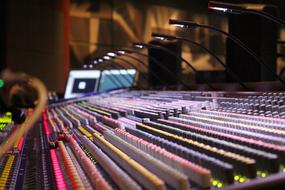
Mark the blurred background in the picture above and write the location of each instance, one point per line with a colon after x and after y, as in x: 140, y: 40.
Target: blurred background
x: 47, y: 38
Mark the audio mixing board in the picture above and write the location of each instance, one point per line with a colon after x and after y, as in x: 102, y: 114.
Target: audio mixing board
x: 152, y: 140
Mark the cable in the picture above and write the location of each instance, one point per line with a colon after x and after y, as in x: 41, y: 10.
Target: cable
x: 24, y: 128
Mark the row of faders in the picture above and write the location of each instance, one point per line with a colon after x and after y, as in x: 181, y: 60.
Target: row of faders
x: 151, y: 140
x: 10, y: 162
x: 179, y: 142
x: 265, y: 104
x: 162, y: 140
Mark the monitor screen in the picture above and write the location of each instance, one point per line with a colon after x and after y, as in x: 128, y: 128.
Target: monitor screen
x: 81, y: 82
x: 114, y: 79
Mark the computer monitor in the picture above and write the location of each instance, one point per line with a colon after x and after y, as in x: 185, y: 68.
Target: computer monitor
x: 115, y: 79
x: 81, y: 82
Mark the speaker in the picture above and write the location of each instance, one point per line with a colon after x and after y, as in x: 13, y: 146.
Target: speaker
x: 170, y: 62
x: 260, y: 35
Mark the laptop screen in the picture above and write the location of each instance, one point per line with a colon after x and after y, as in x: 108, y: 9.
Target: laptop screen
x: 81, y: 82
x: 114, y: 79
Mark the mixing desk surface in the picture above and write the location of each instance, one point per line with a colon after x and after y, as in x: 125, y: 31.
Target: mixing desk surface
x: 133, y: 140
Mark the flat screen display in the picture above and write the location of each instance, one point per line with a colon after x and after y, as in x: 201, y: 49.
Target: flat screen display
x: 115, y: 79
x: 81, y: 82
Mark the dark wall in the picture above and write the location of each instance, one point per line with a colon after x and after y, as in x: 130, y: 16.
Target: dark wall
x: 35, y: 40
x: 3, y: 5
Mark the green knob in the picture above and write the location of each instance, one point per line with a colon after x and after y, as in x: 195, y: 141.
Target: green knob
x: 1, y: 83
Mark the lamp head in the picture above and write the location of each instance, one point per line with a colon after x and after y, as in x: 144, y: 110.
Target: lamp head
x: 112, y: 54
x: 121, y: 52
x: 162, y: 36
x: 227, y: 7
x: 235, y: 8
x: 159, y: 37
x: 106, y: 57
x: 183, y: 24
x: 139, y: 45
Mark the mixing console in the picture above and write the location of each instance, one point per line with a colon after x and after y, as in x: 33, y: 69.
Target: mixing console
x: 152, y: 140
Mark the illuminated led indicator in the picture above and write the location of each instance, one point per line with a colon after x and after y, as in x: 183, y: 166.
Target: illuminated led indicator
x: 2, y: 126
x: 220, y: 185
x: 236, y: 178
x: 215, y: 182
x: 242, y: 179
x: 263, y: 174
x: 1, y: 83
x: 7, y: 118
